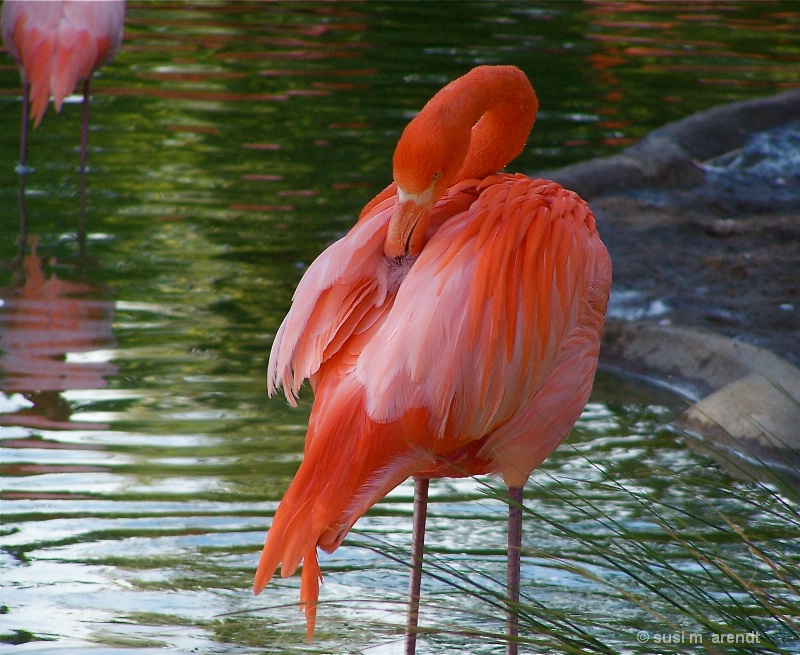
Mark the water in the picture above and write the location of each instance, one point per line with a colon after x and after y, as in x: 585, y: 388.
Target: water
x: 141, y: 460
x: 762, y: 175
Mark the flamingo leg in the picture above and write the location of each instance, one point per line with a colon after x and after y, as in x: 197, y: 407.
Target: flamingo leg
x: 23, y: 220
x: 85, y: 125
x: 23, y: 139
x: 82, y: 214
x: 415, y: 578
x: 512, y: 576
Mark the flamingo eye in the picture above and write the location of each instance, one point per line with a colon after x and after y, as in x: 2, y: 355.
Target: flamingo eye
x: 437, y: 175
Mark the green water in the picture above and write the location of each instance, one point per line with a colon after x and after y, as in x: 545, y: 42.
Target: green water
x: 231, y: 142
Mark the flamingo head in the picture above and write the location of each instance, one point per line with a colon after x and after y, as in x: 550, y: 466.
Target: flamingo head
x: 430, y: 153
x: 471, y: 128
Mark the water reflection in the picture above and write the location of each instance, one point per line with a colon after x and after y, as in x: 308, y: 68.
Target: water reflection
x: 54, y: 334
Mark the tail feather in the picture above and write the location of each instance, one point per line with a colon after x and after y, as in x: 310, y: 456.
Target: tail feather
x: 309, y: 590
x: 299, y: 533
x: 310, y: 507
x: 288, y: 541
x: 266, y: 568
x: 36, y: 51
x: 74, y: 60
x: 344, y: 452
x: 310, y: 580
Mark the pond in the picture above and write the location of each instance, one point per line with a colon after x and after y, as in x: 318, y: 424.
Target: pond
x: 140, y: 459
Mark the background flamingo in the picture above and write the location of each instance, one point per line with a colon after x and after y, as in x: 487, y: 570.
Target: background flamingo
x: 453, y: 331
x: 57, y: 43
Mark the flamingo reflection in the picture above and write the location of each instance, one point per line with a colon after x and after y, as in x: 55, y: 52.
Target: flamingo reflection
x: 53, y: 333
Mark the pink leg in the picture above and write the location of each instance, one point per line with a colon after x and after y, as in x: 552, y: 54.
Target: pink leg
x: 23, y: 223
x: 415, y: 578
x: 23, y: 140
x: 85, y: 125
x: 22, y: 169
x: 82, y: 213
x: 512, y: 578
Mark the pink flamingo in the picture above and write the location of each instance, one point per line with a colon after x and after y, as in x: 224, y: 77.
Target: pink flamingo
x: 453, y: 331
x: 57, y: 43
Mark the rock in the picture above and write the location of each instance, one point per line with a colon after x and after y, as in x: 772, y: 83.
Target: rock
x: 748, y: 415
x: 669, y: 157
x: 752, y: 426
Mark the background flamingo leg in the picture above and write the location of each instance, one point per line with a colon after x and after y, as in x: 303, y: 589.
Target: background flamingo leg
x: 85, y: 126
x: 23, y: 139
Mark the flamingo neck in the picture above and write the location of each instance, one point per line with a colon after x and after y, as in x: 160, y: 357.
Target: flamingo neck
x: 471, y: 129
x: 499, y: 106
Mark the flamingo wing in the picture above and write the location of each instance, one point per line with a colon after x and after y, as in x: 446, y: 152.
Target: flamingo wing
x: 343, y: 292
x: 475, y: 330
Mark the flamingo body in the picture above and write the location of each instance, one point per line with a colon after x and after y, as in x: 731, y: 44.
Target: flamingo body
x: 473, y: 351
x: 58, y: 43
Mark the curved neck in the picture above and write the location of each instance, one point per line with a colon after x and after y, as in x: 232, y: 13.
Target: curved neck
x: 472, y: 128
x: 500, y: 105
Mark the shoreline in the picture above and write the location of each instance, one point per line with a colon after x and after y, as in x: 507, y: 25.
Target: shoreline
x: 706, y: 293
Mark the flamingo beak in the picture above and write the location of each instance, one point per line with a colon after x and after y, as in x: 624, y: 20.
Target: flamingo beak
x: 408, y: 224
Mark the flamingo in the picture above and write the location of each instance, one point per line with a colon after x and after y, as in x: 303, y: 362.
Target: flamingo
x: 57, y: 43
x: 453, y: 331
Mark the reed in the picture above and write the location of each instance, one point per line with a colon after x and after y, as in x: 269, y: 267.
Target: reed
x: 675, y: 557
